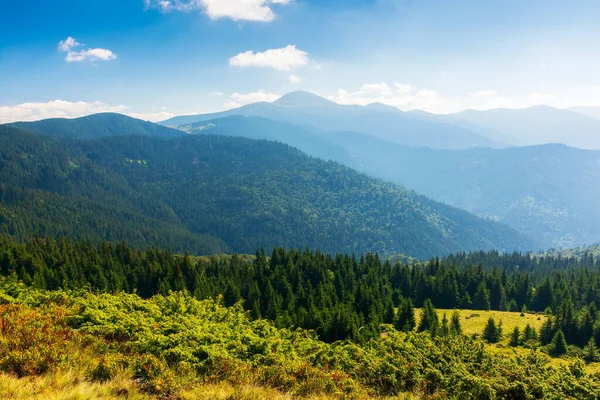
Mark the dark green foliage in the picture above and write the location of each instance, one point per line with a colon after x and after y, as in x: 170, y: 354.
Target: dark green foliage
x: 429, y: 318
x: 481, y: 300
x: 455, y: 325
x: 547, y: 331
x: 342, y: 296
x: 591, y: 351
x: 210, y: 194
x: 97, y: 126
x: 492, y: 332
x: 559, y: 344
x: 515, y: 337
x: 405, y: 318
x: 529, y: 333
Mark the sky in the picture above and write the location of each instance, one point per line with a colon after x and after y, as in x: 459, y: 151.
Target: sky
x: 154, y: 59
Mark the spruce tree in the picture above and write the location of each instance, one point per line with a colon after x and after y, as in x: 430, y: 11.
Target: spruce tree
x: 559, y: 344
x: 547, y: 332
x: 515, y: 337
x: 492, y: 331
x: 429, y: 318
x: 445, y: 327
x: 591, y: 351
x: 455, y: 325
x: 481, y: 300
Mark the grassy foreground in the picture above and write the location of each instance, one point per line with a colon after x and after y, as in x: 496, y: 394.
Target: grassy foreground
x: 60, y: 345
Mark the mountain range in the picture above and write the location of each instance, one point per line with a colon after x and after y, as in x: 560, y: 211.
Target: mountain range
x: 208, y: 194
x: 384, y: 122
x: 546, y: 191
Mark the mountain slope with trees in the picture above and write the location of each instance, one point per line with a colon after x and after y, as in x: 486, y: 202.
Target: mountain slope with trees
x: 240, y: 192
x: 96, y: 126
x: 548, y: 192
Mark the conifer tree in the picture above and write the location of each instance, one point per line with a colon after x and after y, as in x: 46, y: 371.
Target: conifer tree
x: 445, y: 327
x: 481, y: 300
x: 492, y: 331
x: 591, y: 351
x: 515, y: 337
x: 429, y: 318
x: 559, y: 344
x: 455, y: 325
x: 547, y: 332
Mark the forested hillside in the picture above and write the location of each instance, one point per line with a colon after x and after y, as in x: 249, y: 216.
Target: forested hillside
x: 163, y: 342
x: 548, y: 192
x: 342, y: 297
x: 96, y: 126
x: 213, y: 194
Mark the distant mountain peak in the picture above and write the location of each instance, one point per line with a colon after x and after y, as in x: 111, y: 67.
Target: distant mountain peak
x: 382, y: 107
x: 302, y: 98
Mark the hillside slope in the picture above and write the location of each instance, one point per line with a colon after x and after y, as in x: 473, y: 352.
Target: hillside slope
x: 246, y: 193
x: 548, y: 192
x: 96, y: 126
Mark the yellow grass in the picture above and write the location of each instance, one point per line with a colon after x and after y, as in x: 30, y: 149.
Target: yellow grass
x: 473, y: 321
x: 68, y: 385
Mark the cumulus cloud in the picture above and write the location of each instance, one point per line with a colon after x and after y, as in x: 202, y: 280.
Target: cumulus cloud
x: 69, y: 44
x: 282, y: 59
x: 407, y: 97
x: 399, y: 95
x: 237, y: 10
x: 68, y: 109
x: 241, y: 99
x: 294, y: 79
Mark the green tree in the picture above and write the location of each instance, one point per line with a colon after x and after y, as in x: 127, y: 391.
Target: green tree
x: 559, y: 344
x: 515, y: 337
x: 455, y: 325
x: 481, y: 300
x: 429, y: 318
x: 405, y: 317
x: 591, y: 351
x: 492, y: 331
x: 547, y: 331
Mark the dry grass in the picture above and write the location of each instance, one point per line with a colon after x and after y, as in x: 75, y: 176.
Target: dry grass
x: 67, y: 385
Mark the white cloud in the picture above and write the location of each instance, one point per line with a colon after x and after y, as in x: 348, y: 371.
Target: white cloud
x: 91, y: 55
x: 67, y: 46
x: 237, y: 10
x: 67, y: 109
x: 54, y: 109
x: 216, y: 93
x: 153, y: 117
x: 485, y: 93
x: 294, y: 79
x: 405, y: 97
x: 282, y: 59
x: 381, y: 89
x: 403, y: 88
x: 241, y: 99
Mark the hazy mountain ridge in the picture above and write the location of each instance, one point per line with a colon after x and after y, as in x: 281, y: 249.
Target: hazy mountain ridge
x: 548, y: 191
x: 238, y: 192
x: 391, y: 124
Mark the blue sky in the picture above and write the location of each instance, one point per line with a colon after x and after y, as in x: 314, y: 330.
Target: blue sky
x: 156, y: 58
